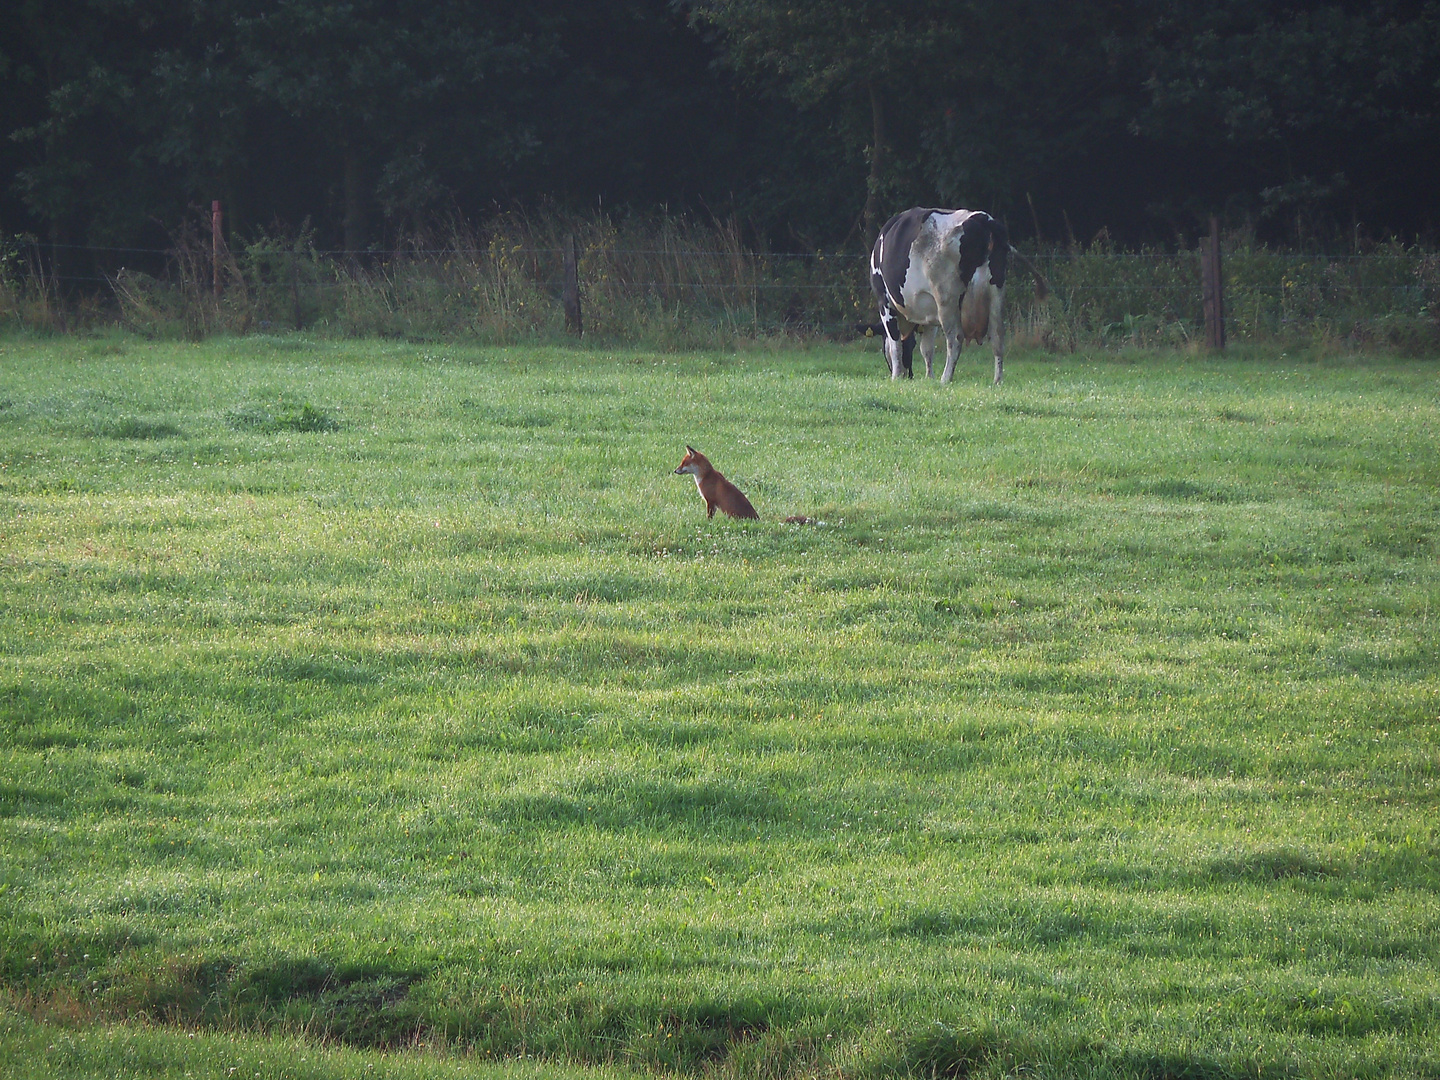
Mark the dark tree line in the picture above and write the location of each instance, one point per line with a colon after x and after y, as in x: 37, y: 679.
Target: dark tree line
x: 809, y: 122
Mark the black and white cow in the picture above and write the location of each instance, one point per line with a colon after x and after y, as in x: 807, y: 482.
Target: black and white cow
x: 940, y: 269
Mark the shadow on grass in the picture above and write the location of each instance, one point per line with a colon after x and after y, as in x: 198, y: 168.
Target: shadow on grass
x: 1182, y: 489
x: 627, y: 803
x: 40, y: 713
x: 119, y: 976
x: 1273, y: 864
x: 379, y: 1007
x: 357, y: 1004
x: 943, y: 1051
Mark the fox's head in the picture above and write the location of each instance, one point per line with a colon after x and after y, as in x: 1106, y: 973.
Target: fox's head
x: 693, y: 462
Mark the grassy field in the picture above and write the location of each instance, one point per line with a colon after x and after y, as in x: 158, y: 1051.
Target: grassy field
x: 373, y: 708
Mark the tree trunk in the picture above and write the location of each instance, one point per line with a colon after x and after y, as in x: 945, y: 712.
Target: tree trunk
x: 877, y: 161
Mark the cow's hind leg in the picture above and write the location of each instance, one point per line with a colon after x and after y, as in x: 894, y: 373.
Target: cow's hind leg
x: 927, y: 349
x: 897, y: 355
x: 997, y: 331
x: 953, y: 342
x: 899, y: 342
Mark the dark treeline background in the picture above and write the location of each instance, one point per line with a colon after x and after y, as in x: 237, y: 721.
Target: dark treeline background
x: 806, y: 122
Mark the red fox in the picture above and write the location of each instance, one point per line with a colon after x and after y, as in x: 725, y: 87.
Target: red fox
x: 714, y: 488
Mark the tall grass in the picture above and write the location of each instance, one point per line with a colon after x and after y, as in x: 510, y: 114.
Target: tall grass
x: 30, y: 295
x: 666, y: 281
x: 676, y: 282
x: 1388, y: 297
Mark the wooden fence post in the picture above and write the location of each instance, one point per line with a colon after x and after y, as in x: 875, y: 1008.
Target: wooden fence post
x: 295, y: 291
x: 216, y: 242
x: 572, y: 288
x: 1213, y: 289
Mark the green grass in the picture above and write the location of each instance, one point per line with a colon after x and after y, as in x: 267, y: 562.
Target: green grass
x: 368, y: 698
x: 36, y: 1051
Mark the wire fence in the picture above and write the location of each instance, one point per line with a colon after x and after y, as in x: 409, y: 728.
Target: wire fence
x: 686, y: 284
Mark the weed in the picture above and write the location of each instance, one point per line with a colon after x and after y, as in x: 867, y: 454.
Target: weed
x: 303, y: 418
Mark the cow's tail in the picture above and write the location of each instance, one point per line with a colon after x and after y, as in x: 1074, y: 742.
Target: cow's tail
x: 1042, y: 287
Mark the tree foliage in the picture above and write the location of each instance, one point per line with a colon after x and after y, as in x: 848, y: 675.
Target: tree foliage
x: 1299, y: 105
x: 370, y: 117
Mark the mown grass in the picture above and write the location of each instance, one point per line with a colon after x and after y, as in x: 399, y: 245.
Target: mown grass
x: 382, y: 696
x: 37, y: 1051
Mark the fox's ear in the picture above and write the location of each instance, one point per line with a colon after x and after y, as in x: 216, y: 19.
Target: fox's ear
x: 689, y: 449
